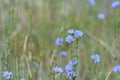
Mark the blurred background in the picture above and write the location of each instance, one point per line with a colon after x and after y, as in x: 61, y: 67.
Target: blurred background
x: 30, y: 27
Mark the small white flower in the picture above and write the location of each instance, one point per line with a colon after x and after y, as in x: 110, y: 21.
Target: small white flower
x: 71, y: 31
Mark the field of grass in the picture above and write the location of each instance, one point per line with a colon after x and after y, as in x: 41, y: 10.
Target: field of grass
x: 29, y: 30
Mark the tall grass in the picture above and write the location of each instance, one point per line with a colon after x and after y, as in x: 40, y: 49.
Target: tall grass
x: 29, y: 28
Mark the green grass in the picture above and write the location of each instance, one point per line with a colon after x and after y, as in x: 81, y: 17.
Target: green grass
x: 29, y: 28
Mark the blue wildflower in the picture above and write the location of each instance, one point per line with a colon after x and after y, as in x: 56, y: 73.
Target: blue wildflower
x: 73, y: 62
x: 63, y: 53
x: 69, y: 71
x: 58, y: 69
x: 115, y: 4
x: 78, y: 33
x: 71, y: 75
x: 70, y: 31
x: 101, y: 16
x: 95, y: 58
x: 59, y: 41
x: 91, y: 2
x: 69, y: 39
x: 69, y: 68
x: 22, y: 79
x: 7, y: 74
x: 116, y: 68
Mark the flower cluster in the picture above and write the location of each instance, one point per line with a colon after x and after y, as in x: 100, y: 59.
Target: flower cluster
x: 70, y: 38
x: 69, y: 69
x: 73, y: 35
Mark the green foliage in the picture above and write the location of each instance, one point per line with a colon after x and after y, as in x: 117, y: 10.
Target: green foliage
x: 29, y: 28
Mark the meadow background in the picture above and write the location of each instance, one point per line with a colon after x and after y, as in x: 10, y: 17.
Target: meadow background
x: 29, y: 28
